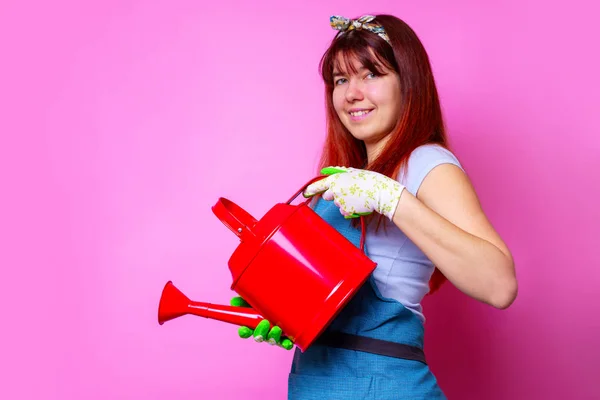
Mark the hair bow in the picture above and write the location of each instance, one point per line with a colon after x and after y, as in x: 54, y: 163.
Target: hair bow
x: 344, y: 24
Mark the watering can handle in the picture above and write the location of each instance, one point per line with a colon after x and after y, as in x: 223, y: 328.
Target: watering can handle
x: 235, y: 218
x: 363, y: 229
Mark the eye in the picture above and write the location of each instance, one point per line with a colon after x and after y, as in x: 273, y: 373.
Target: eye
x: 339, y: 81
x: 371, y: 75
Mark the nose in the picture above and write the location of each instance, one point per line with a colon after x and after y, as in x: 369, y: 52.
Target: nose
x: 354, y: 91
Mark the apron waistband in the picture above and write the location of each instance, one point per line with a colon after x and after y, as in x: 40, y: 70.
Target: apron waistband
x: 370, y: 345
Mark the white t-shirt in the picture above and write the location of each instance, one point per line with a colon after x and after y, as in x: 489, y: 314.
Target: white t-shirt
x: 403, y: 271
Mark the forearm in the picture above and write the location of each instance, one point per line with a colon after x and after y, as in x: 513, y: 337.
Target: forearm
x: 474, y: 265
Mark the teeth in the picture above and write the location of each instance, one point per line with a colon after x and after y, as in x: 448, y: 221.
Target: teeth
x: 359, y: 113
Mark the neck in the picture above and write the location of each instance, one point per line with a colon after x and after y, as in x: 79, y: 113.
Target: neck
x: 374, y: 148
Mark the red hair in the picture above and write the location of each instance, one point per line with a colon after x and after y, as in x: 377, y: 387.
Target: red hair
x: 420, y: 121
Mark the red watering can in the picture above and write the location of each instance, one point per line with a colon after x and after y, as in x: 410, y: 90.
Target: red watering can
x: 292, y: 267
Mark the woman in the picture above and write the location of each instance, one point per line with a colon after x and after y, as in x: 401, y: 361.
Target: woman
x: 387, y: 156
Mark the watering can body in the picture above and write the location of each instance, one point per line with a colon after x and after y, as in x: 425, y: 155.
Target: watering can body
x: 292, y: 267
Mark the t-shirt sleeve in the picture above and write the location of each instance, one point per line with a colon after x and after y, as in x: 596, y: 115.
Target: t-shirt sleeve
x: 420, y: 163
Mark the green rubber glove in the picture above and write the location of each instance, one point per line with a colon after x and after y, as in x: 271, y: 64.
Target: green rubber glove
x: 273, y: 336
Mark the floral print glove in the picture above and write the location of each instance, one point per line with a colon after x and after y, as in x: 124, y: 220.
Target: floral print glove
x: 358, y: 192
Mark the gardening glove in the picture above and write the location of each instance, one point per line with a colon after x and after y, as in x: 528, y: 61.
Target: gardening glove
x: 263, y: 331
x: 358, y: 192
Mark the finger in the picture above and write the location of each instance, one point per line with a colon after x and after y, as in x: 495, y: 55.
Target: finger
x: 317, y: 187
x: 345, y: 213
x: 238, y: 301
x: 261, y: 331
x: 287, y: 344
x: 342, y: 210
x: 244, y: 332
x: 274, y: 336
x: 328, y: 195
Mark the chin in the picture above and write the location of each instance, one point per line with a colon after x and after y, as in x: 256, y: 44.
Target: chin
x: 365, y: 135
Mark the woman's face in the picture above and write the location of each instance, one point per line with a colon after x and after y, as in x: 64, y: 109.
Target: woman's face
x: 368, y: 104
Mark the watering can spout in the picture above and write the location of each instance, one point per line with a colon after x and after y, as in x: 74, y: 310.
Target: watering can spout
x: 174, y: 304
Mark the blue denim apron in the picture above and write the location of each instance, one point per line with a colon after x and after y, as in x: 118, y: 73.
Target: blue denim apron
x: 330, y: 373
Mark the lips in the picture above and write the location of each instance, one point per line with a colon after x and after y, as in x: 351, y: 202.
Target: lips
x: 358, y: 114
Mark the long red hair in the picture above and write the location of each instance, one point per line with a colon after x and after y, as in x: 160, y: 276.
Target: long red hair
x: 420, y: 120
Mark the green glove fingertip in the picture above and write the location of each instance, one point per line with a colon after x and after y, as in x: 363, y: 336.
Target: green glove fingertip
x: 238, y: 301
x: 274, y: 336
x: 244, y: 332
x: 287, y: 344
x: 261, y: 331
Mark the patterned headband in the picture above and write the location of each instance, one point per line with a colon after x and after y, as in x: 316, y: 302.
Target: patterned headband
x: 344, y: 24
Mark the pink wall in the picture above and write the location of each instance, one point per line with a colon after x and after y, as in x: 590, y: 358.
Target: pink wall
x: 123, y: 122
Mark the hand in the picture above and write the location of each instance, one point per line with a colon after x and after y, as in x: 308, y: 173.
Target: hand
x: 358, y: 192
x: 263, y: 331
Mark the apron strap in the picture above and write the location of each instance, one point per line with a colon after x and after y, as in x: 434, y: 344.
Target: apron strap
x: 370, y: 345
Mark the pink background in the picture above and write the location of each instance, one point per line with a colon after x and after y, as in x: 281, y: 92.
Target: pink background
x: 123, y: 122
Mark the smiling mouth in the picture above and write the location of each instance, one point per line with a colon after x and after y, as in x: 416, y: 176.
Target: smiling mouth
x: 359, y: 113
